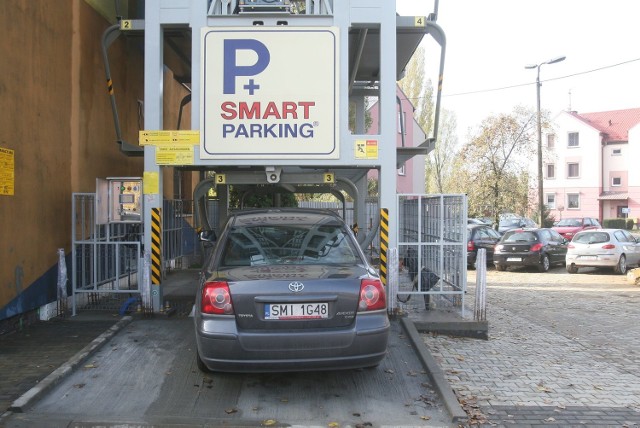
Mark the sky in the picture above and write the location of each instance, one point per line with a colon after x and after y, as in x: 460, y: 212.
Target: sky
x: 489, y: 43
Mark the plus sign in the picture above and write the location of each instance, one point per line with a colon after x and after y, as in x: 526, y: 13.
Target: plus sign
x: 251, y: 87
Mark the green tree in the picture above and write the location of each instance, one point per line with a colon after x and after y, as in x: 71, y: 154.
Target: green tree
x: 419, y: 90
x: 440, y: 163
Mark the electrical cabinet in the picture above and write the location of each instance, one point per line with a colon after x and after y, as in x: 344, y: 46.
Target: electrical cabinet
x: 119, y: 200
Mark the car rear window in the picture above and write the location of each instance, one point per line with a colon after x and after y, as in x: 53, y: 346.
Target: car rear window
x: 591, y: 238
x: 286, y: 244
x: 569, y: 222
x: 520, y: 236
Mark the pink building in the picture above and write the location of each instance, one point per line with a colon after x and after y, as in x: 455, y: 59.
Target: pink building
x: 411, y: 175
x: 592, y: 165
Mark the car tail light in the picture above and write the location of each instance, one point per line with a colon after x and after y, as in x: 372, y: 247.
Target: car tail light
x: 216, y: 298
x: 372, y: 295
x: 608, y: 247
x: 537, y: 247
x: 471, y: 246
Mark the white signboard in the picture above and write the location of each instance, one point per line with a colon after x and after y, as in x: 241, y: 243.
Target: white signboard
x: 269, y: 93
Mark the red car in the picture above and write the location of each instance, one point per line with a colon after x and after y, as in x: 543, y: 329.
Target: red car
x: 568, y: 227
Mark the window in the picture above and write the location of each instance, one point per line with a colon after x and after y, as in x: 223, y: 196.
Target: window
x: 616, y: 152
x: 616, y: 181
x: 551, y: 171
x: 551, y: 141
x: 573, y: 201
x: 551, y: 201
x: 402, y: 122
x: 574, y: 140
x: 573, y: 170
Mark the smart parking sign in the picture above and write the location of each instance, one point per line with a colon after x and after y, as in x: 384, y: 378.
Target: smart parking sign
x: 269, y: 93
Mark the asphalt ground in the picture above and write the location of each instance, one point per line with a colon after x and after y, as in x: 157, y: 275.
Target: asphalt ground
x: 563, y: 350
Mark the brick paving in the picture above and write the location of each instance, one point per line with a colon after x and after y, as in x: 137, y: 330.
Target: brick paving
x: 564, y: 350
x: 30, y: 355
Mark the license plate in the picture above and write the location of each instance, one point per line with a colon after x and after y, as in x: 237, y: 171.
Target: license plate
x: 514, y: 259
x: 588, y: 258
x: 296, y: 311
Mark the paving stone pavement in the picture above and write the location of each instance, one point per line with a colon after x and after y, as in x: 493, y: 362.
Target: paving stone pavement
x: 563, y: 350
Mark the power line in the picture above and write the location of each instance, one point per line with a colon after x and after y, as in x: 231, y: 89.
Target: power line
x: 533, y: 83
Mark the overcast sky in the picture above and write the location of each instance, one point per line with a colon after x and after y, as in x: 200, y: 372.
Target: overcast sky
x: 489, y: 42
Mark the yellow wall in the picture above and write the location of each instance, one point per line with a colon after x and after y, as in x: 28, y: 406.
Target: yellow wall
x: 56, y: 116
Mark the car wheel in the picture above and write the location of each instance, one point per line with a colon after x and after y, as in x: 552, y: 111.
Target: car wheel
x: 200, y: 364
x: 572, y: 268
x: 621, y: 267
x: 544, y: 263
x: 501, y: 268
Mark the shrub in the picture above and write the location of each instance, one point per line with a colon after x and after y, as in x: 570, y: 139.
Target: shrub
x: 617, y: 223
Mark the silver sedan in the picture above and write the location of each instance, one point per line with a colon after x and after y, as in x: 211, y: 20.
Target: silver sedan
x: 289, y: 290
x: 613, y: 248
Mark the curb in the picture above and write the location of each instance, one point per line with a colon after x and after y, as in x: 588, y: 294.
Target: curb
x: 435, y: 373
x: 28, y: 398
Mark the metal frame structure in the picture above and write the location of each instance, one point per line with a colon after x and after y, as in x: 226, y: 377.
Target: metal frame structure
x: 373, y: 48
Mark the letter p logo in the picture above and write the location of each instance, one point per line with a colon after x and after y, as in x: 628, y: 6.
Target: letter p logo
x: 233, y: 70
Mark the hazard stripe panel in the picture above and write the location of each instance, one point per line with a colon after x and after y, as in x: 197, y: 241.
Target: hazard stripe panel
x: 384, y: 243
x: 156, y: 245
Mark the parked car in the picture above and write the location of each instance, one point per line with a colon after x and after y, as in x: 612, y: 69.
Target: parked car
x: 480, y: 236
x: 612, y: 248
x: 539, y: 247
x: 289, y: 290
x: 509, y: 223
x: 568, y: 227
x: 479, y: 220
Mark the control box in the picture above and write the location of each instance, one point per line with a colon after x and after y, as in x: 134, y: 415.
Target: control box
x: 119, y: 200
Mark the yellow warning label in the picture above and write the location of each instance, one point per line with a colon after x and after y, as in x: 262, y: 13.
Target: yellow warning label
x: 7, y: 172
x: 366, y: 149
x: 188, y: 137
x: 174, y: 155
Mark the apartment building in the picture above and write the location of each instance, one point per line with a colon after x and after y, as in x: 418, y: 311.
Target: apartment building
x: 592, y: 165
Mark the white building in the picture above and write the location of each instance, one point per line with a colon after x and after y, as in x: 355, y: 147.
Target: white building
x: 592, y: 165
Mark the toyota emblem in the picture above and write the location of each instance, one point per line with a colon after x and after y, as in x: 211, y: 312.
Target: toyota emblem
x: 296, y: 286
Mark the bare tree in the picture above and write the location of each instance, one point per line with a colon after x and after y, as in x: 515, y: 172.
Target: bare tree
x: 495, y: 164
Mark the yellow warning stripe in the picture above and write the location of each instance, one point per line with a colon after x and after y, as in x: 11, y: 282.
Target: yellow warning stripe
x: 384, y: 243
x: 109, y: 86
x: 156, y: 245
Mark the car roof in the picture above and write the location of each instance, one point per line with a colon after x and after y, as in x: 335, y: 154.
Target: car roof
x: 599, y: 230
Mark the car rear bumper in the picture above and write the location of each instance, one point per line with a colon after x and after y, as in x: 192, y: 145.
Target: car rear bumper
x: 516, y: 259
x: 608, y: 260
x: 222, y: 347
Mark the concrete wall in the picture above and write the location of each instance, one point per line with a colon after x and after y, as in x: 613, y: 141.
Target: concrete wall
x: 56, y: 116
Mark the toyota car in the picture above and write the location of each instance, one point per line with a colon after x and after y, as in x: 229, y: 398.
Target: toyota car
x: 289, y: 290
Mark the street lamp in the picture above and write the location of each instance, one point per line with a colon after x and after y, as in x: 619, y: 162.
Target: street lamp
x: 538, y: 84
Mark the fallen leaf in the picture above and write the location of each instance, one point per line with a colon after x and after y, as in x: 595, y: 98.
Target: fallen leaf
x: 425, y: 418
x: 598, y: 387
x: 79, y: 385
x: 231, y: 410
x: 269, y: 422
x: 90, y: 366
x: 284, y: 400
x: 550, y: 420
x: 389, y: 371
x: 333, y: 425
x: 459, y: 358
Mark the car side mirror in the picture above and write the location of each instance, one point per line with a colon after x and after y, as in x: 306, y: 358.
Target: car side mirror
x: 208, y: 237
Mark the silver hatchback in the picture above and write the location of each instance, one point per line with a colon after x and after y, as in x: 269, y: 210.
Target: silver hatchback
x: 613, y: 248
x: 289, y: 290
